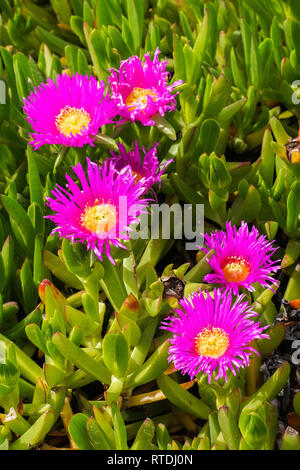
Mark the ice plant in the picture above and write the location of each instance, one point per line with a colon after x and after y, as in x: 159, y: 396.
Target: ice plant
x: 68, y: 111
x: 140, y: 89
x: 99, y: 214
x: 241, y: 258
x: 212, y: 334
x: 147, y: 166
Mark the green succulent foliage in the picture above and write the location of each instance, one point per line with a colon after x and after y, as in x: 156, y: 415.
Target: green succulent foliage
x: 232, y: 426
x: 91, y: 322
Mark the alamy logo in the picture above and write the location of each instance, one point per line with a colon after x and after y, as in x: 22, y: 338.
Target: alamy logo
x: 296, y: 354
x: 161, y: 221
x: 296, y: 94
x: 2, y: 92
x: 185, y: 221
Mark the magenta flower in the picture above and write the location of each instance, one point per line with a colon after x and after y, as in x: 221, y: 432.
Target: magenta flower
x: 140, y: 89
x: 69, y: 111
x: 212, y: 334
x: 99, y: 214
x: 241, y: 258
x: 147, y: 167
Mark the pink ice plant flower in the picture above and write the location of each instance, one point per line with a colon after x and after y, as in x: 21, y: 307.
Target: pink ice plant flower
x: 140, y: 89
x: 146, y: 166
x: 101, y: 212
x: 212, y: 333
x: 242, y: 257
x: 68, y: 111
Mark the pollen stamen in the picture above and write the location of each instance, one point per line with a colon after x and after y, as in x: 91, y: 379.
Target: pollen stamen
x: 100, y: 218
x: 137, y: 176
x: 235, y: 269
x: 212, y: 342
x: 138, y: 97
x: 72, y: 120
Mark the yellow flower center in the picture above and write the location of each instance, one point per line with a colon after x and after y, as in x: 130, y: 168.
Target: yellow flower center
x: 100, y: 218
x: 295, y: 156
x: 235, y: 269
x: 138, y: 96
x: 212, y: 342
x: 72, y: 120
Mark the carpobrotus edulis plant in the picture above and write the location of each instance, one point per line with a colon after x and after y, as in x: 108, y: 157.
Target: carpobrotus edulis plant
x: 68, y: 111
x: 84, y: 361
x: 99, y: 214
x: 140, y: 89
x: 242, y: 257
x: 146, y: 166
x: 212, y: 333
